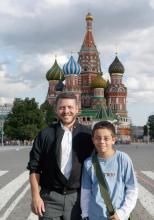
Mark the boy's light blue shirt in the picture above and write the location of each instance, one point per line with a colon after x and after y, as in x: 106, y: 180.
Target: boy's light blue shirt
x: 119, y: 174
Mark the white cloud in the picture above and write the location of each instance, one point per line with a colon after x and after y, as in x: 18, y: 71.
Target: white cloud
x: 32, y: 32
x: 15, y: 9
x: 9, y: 89
x: 4, y: 100
x: 47, y: 60
x: 152, y: 3
x: 57, y: 3
x: 132, y: 83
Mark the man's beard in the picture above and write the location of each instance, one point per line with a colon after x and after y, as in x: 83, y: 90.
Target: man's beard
x: 68, y: 122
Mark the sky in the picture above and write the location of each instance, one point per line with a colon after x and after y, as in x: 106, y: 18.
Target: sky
x: 33, y: 32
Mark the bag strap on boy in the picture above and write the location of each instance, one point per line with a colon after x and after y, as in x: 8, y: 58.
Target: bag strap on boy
x: 102, y: 184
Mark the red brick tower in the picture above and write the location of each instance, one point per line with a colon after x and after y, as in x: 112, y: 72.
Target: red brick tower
x: 89, y: 62
x: 116, y: 94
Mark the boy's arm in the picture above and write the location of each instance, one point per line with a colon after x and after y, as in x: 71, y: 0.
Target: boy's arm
x: 131, y: 192
x: 85, y: 192
x: 85, y: 199
x: 129, y: 203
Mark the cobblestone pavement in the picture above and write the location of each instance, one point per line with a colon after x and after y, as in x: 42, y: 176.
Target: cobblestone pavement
x: 15, y: 191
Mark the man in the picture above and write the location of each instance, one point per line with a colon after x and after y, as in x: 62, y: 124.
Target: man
x: 56, y: 161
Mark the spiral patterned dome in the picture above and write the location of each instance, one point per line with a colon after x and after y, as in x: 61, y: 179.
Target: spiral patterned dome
x: 71, y: 67
x: 116, y: 67
x: 55, y: 72
x: 99, y: 82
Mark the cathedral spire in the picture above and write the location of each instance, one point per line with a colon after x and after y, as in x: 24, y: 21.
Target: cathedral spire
x: 89, y: 40
x: 89, y: 19
x: 88, y: 55
x: 89, y: 61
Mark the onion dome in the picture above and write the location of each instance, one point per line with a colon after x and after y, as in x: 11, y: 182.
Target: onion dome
x: 99, y: 82
x: 59, y: 86
x: 71, y: 67
x: 116, y: 67
x: 89, y: 16
x: 55, y: 72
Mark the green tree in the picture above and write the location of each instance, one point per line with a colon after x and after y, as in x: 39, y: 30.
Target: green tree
x: 149, y: 127
x: 25, y: 120
x: 49, y: 113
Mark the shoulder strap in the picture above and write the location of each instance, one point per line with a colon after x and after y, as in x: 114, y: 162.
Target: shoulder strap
x: 102, y: 183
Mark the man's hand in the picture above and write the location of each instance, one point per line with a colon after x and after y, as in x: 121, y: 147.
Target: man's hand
x: 37, y: 206
x: 114, y: 217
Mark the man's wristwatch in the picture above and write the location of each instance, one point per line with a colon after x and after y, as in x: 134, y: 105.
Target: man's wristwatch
x: 85, y: 218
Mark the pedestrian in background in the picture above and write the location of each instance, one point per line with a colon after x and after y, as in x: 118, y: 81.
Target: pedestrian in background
x: 119, y: 178
x: 56, y: 161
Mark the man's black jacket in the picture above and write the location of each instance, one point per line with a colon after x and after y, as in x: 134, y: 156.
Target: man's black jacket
x: 45, y: 156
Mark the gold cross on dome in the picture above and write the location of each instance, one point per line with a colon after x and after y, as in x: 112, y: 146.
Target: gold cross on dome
x: 116, y: 49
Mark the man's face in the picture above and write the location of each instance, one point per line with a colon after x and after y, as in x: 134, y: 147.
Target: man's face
x: 67, y: 110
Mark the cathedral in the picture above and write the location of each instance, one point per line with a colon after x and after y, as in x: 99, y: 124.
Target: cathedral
x: 98, y: 99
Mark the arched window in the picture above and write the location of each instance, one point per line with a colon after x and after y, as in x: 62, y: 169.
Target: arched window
x: 121, y: 89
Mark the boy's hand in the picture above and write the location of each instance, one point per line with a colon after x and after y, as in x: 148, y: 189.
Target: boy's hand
x: 114, y: 217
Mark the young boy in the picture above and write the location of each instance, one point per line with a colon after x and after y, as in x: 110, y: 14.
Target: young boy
x: 119, y: 175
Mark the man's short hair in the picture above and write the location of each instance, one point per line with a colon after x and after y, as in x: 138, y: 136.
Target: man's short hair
x: 66, y: 95
x: 104, y: 125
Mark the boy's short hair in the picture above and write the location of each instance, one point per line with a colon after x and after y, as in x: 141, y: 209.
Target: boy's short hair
x: 66, y: 95
x: 104, y: 124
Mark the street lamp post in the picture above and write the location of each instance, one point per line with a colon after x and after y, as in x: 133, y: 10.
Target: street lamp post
x: 117, y: 128
x: 2, y: 141
x: 2, y: 131
x: 4, y: 111
x: 148, y: 136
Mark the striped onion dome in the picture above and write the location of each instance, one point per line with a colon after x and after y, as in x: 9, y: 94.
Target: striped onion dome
x: 71, y: 67
x: 99, y: 82
x: 116, y: 67
x: 55, y: 72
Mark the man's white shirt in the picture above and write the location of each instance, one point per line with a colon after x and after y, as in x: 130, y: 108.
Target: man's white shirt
x: 66, y: 152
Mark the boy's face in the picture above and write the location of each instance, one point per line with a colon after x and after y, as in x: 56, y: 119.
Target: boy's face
x: 103, y: 140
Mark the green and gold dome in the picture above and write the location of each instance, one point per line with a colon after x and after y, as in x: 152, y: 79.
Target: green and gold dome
x: 99, y: 82
x: 55, y: 72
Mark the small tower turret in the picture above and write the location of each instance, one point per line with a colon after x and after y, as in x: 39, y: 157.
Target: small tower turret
x: 116, y: 94
x: 53, y: 75
x: 72, y: 70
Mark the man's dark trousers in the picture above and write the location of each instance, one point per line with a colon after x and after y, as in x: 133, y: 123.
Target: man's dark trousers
x: 61, y: 206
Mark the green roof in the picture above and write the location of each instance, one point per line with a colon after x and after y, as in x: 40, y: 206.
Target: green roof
x: 101, y: 113
x: 88, y: 112
x: 111, y: 114
x: 99, y: 97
